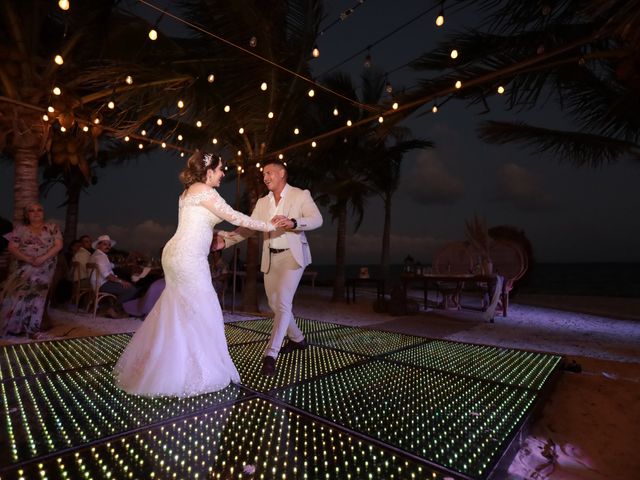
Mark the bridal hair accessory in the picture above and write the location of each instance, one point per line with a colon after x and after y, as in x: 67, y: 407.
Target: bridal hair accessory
x: 207, y: 159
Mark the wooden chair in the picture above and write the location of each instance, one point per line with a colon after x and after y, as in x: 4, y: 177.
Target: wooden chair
x: 78, y: 287
x: 453, y: 258
x: 96, y: 295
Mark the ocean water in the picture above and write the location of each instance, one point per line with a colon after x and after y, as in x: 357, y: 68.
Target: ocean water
x: 593, y: 279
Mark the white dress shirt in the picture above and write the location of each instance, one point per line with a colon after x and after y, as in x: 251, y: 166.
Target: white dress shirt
x: 277, y: 238
x: 82, y: 256
x: 105, y: 267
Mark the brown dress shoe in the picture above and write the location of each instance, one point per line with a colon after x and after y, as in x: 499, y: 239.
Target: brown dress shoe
x: 268, y: 366
x: 290, y: 346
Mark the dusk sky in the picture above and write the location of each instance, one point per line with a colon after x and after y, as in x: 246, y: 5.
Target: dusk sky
x: 569, y: 214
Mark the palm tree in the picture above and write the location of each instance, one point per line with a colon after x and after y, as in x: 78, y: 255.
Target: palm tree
x: 582, y: 54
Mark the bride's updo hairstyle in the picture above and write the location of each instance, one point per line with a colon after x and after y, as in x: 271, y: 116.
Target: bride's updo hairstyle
x: 197, y: 166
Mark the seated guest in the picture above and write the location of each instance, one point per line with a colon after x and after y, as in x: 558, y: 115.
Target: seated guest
x: 107, y: 280
x: 139, y: 307
x: 83, y: 256
x: 35, y: 246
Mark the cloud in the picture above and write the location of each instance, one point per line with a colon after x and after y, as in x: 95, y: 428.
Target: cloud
x: 429, y: 182
x: 522, y: 188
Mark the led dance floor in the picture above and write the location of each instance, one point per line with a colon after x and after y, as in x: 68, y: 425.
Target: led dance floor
x: 358, y: 403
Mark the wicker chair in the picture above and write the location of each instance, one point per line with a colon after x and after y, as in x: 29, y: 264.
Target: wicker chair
x: 453, y: 258
x: 509, y: 261
x: 96, y: 295
x: 78, y: 287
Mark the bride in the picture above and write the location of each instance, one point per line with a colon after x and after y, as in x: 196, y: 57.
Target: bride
x: 180, y: 349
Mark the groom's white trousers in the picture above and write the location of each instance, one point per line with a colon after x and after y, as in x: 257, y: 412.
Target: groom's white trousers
x: 280, y: 285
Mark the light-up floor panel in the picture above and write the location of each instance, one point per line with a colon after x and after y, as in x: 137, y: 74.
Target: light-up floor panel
x: 253, y: 439
x: 46, y: 413
x: 358, y: 403
x: 363, y: 341
x: 460, y: 423
x: 290, y: 369
x: 264, y: 325
x: 514, y: 367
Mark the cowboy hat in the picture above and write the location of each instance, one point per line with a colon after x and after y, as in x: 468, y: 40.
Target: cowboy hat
x: 103, y: 238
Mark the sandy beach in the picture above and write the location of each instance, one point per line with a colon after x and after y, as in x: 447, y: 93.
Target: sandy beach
x: 590, y: 426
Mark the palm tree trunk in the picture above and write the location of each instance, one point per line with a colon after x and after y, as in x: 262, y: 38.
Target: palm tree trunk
x: 341, y: 247
x: 72, y: 214
x: 25, y: 184
x: 386, y: 240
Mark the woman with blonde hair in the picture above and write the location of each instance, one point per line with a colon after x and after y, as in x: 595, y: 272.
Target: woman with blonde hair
x: 35, y: 246
x: 181, y: 349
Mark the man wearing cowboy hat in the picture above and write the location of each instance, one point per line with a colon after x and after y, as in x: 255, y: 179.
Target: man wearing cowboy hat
x: 107, y: 280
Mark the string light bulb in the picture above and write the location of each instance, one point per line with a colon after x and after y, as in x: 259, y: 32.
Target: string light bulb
x: 314, y: 144
x: 315, y: 52
x: 143, y: 133
x: 454, y: 53
x: 140, y: 146
x: 64, y: 5
x: 253, y: 42
x: 395, y: 105
x: 263, y: 86
x: 211, y: 78
x: 129, y: 80
x: 199, y: 124
x: 111, y: 104
x: 45, y: 117
x: 280, y: 157
x: 500, y: 89
x: 241, y: 130
x: 159, y: 122
x: 126, y: 138
x: 214, y: 140
x: 458, y: 84
x: 434, y: 109
x: 440, y: 17
x: 180, y: 137
x: 153, y: 34
x: 311, y: 93
x: 349, y: 123
x: 62, y: 129
x: 227, y: 108
x: 380, y: 119
x: 58, y: 59
x: 50, y: 109
x: 296, y: 131
x: 85, y: 129
x: 56, y: 91
x: 270, y: 115
x: 163, y: 145
x: 180, y: 104
x: 335, y: 112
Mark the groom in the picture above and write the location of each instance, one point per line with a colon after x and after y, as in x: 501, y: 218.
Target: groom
x: 285, y: 254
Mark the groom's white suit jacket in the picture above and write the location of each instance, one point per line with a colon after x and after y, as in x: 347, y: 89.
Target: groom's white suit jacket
x: 298, y: 204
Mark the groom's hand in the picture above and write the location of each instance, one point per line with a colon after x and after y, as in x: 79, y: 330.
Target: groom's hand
x: 218, y: 243
x: 280, y: 221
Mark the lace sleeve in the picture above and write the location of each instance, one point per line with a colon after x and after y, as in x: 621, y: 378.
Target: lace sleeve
x: 217, y: 205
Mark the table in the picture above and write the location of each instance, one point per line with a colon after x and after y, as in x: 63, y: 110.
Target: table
x: 490, y: 280
x: 353, y: 282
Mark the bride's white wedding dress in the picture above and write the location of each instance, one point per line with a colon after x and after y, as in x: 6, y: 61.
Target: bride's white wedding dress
x: 180, y: 349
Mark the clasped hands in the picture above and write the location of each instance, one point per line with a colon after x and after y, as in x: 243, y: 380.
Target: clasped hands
x: 279, y: 221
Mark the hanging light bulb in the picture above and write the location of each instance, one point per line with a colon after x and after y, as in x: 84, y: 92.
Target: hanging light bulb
x: 239, y: 152
x: 395, y: 105
x: 315, y: 52
x: 296, y: 131
x: 500, y: 89
x: 440, y: 17
x: 45, y: 117
x: 143, y: 133
x: 180, y: 104
x: 58, y: 59
x: 56, y: 91
x: 163, y: 145
x: 111, y: 104
x: 263, y: 86
x: 380, y: 119
x: 211, y: 78
x: 96, y: 121
x: 227, y: 108
x: 214, y: 141
x: 62, y: 129
x: 335, y: 112
x: 434, y: 109
x: 199, y: 124
x: 281, y: 156
x: 129, y: 80
x: 180, y: 137
x: 253, y: 42
x: 270, y: 115
x: 454, y: 53
x: 458, y: 84
x: 311, y: 92
x: 153, y: 34
x: 182, y: 154
x: 126, y: 138
x: 159, y: 122
x: 85, y: 129
x: 349, y: 123
x: 241, y: 130
x: 64, y: 5
x: 314, y: 144
x: 140, y: 146
x: 50, y: 109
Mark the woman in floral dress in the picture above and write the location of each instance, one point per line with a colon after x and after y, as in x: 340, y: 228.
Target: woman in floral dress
x: 35, y: 246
